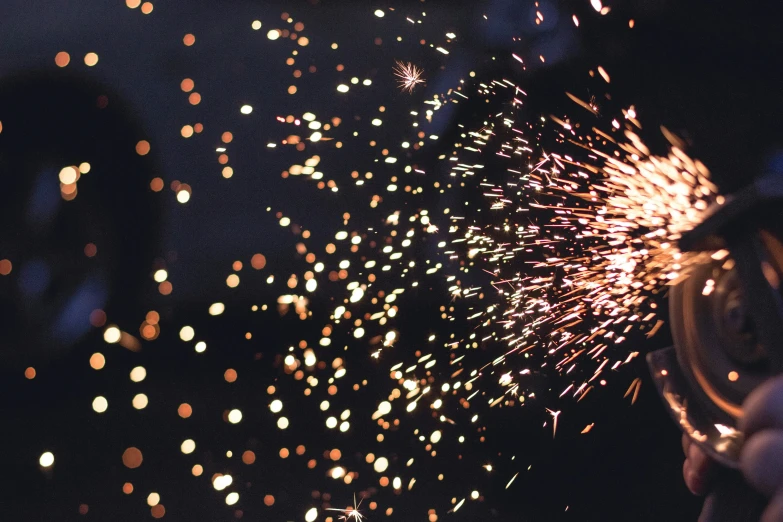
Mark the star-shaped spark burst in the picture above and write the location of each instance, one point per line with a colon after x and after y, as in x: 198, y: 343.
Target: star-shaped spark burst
x: 350, y: 513
x: 409, y: 76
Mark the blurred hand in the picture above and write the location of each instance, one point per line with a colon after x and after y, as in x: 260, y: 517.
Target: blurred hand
x: 761, y: 459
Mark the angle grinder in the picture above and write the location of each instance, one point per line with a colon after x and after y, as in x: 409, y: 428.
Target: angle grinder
x: 726, y: 320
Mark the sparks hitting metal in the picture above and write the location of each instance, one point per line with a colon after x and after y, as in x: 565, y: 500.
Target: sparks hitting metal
x: 409, y: 76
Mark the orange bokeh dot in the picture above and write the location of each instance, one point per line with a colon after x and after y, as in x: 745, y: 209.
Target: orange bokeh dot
x: 5, y: 267
x: 97, y: 361
x: 165, y: 288
x: 258, y: 261
x: 300, y: 450
x: 230, y: 375
x: 185, y: 410
x: 149, y: 332
x: 127, y: 488
x: 248, y: 457
x: 332, y: 389
x: 90, y: 59
x: 292, y: 89
x: 133, y: 4
x: 156, y: 184
x: 198, y: 128
x: 98, y: 318
x: 189, y: 39
x: 143, y: 148
x: 132, y: 458
x: 335, y: 454
x: 194, y: 98
x: 83, y: 509
x: 284, y: 453
x: 62, y: 59
x: 187, y: 85
x: 227, y: 137
x: 187, y: 131
x: 384, y: 481
x: 269, y: 500
x: 158, y: 511
x: 223, y: 159
x: 30, y: 373
x: 146, y: 8
x: 90, y: 250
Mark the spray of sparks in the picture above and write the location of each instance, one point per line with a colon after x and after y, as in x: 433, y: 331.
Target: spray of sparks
x: 350, y: 513
x: 550, y: 261
x: 408, y: 76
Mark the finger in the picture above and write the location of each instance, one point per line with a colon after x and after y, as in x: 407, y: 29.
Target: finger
x: 686, y: 475
x: 707, y: 510
x: 699, y: 460
x: 686, y: 442
x: 763, y: 409
x: 697, y: 471
x: 774, y: 511
x: 761, y: 460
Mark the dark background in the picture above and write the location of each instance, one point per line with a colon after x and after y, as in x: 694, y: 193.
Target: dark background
x: 710, y: 71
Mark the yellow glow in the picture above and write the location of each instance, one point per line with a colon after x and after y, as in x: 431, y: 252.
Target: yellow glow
x: 217, y: 308
x: 160, y: 276
x: 140, y: 401
x: 46, y: 460
x: 153, y: 499
x: 232, y: 281
x: 188, y: 446
x: 380, y: 465
x: 112, y: 335
x: 276, y: 406
x: 234, y: 416
x: 282, y: 423
x: 138, y: 374
x: 187, y: 333
x: 68, y: 175
x: 100, y: 404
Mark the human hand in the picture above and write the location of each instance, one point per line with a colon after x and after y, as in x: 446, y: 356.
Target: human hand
x: 761, y: 459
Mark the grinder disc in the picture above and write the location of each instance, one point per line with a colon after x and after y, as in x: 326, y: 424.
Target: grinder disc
x: 715, y: 337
